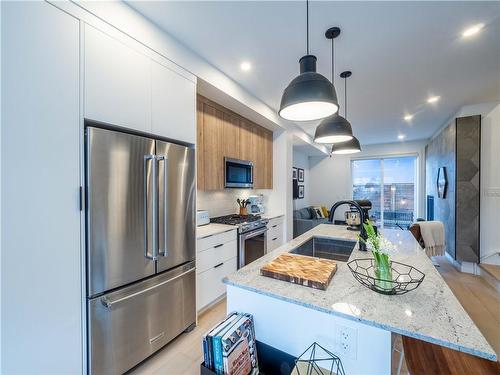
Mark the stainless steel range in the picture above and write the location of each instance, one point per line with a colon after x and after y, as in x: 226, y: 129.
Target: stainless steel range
x: 252, y: 236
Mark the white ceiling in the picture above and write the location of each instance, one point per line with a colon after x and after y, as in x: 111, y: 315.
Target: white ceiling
x: 399, y: 53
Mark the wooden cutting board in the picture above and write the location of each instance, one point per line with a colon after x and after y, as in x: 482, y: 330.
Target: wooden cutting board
x: 300, y: 269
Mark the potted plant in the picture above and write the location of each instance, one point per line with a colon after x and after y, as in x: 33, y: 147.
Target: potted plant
x: 379, y: 247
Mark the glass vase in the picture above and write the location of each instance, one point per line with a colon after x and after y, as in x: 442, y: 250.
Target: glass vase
x: 383, y: 271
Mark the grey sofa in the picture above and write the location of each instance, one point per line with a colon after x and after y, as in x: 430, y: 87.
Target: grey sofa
x: 303, y: 221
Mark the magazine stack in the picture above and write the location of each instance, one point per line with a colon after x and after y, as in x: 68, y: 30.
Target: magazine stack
x: 230, y: 347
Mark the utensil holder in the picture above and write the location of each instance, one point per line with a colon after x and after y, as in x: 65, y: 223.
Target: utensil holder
x: 243, y: 211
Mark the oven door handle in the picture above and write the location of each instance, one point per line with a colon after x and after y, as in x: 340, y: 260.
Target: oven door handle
x: 254, y: 233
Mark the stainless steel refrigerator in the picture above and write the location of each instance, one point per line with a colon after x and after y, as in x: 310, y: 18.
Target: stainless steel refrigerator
x: 140, y: 246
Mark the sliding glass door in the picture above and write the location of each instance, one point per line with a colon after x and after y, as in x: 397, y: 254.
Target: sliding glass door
x: 390, y: 184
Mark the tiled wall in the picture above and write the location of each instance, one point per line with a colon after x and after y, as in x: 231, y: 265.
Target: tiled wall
x: 223, y: 202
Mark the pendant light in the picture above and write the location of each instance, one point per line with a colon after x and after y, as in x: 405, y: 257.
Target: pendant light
x: 334, y: 129
x: 351, y: 146
x: 310, y: 96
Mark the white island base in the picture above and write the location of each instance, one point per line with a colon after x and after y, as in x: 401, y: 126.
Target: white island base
x: 293, y: 328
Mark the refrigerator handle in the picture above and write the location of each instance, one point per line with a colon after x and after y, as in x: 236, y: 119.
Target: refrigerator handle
x: 109, y: 303
x: 154, y: 247
x: 163, y: 158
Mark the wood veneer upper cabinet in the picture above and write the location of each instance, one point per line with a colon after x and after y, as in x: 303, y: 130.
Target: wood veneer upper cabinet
x: 223, y: 133
x: 268, y: 166
x: 259, y: 159
x: 210, y: 149
x: 246, y: 140
x: 231, y: 136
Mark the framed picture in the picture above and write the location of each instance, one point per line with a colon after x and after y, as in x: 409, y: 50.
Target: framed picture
x: 300, y: 175
x: 294, y: 173
x: 442, y: 182
x: 301, y: 191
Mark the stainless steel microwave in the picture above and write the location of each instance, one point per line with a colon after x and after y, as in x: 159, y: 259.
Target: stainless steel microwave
x: 238, y: 173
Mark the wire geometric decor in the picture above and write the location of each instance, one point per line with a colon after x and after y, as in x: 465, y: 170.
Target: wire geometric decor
x: 317, y: 360
x: 405, y: 278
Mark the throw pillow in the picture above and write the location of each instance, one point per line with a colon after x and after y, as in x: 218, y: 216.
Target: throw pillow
x: 319, y: 212
x: 314, y: 215
x: 325, y: 211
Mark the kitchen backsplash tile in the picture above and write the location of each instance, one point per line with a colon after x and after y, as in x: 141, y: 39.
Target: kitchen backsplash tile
x: 223, y: 202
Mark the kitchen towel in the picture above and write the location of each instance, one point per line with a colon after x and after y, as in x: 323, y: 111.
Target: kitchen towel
x: 433, y: 236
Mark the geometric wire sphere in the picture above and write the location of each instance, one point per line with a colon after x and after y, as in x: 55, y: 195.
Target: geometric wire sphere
x: 317, y: 360
x: 405, y: 278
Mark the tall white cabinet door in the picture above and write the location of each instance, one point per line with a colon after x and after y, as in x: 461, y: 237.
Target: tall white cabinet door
x: 117, y: 82
x: 173, y: 104
x: 40, y: 215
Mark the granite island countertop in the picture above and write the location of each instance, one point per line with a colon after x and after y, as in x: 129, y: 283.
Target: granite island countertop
x: 430, y: 313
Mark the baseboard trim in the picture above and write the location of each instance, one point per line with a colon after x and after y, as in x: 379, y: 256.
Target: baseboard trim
x: 490, y: 279
x: 211, y: 304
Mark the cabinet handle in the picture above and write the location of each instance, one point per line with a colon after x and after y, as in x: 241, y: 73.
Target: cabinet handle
x: 275, y: 238
x: 274, y: 226
x: 219, y: 245
x: 218, y: 265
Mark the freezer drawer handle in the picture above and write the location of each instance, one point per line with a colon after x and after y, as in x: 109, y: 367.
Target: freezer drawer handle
x: 164, y: 159
x: 156, y: 338
x: 219, y: 245
x: 109, y: 304
x: 218, y: 265
x: 154, y: 246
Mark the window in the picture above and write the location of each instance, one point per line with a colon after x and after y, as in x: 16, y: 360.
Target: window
x: 390, y: 184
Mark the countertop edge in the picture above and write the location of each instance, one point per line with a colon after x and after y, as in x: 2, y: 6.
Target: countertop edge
x: 372, y: 323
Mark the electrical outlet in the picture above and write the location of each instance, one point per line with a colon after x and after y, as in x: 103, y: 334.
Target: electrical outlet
x: 347, y: 341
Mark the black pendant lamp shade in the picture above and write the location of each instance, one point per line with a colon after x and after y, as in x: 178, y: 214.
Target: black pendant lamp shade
x: 310, y: 96
x: 349, y: 147
x: 334, y: 129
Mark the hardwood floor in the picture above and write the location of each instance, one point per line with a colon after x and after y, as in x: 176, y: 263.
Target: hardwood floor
x: 481, y: 301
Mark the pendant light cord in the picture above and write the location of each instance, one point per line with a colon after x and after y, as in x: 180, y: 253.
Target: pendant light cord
x: 333, y: 62
x: 345, y: 98
x: 307, y: 26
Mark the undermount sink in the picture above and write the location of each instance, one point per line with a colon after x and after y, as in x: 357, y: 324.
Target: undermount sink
x: 327, y: 248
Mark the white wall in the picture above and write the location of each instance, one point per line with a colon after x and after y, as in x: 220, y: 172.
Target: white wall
x: 490, y: 185
x: 331, y: 176
x: 301, y: 160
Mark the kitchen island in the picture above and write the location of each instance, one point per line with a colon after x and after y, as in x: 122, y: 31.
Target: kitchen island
x: 350, y: 320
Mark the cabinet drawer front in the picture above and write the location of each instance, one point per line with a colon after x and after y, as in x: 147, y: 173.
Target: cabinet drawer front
x: 275, y: 230
x: 209, y: 283
x: 209, y: 258
x: 274, y: 242
x: 216, y: 239
x: 275, y: 221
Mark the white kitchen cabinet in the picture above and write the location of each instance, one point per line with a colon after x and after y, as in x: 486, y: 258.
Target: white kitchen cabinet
x: 117, y: 82
x: 173, y: 104
x: 275, y: 233
x: 216, y: 257
x: 40, y: 214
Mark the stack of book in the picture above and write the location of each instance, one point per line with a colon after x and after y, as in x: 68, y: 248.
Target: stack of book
x: 230, y: 347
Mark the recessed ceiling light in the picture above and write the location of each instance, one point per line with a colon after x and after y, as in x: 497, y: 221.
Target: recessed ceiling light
x: 401, y: 137
x: 245, y: 66
x: 408, y: 117
x: 472, y: 30
x: 433, y: 99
